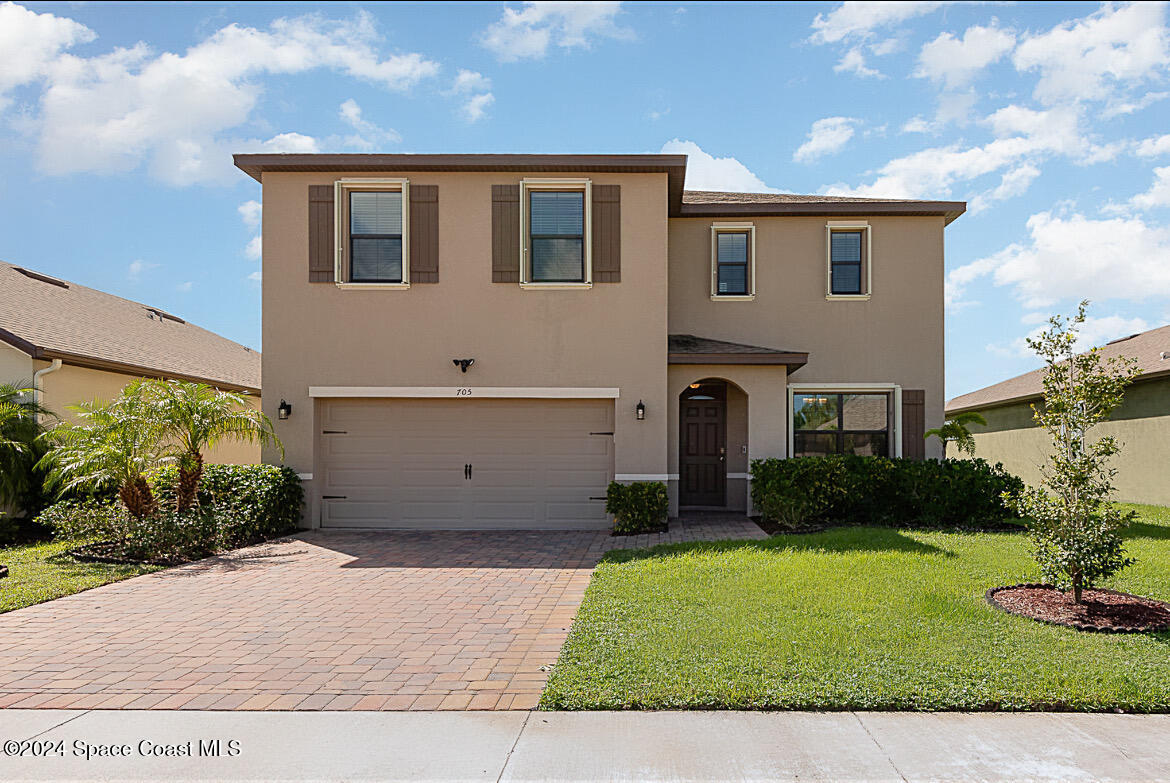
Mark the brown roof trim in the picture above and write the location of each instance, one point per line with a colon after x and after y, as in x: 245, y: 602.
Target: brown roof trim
x: 948, y: 411
x: 793, y: 360
x: 89, y: 362
x: 674, y: 166
x: 948, y: 209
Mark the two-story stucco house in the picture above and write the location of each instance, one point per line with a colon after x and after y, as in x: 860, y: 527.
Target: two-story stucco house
x: 485, y: 341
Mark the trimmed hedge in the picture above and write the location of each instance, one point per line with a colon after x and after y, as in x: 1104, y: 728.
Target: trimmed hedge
x: 639, y: 507
x: 846, y: 489
x: 238, y: 505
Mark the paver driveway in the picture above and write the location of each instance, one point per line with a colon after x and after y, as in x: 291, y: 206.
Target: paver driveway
x: 366, y: 621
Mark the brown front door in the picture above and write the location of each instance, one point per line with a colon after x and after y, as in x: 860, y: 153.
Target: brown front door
x: 702, y: 446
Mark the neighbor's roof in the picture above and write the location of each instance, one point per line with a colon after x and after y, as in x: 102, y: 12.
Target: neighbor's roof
x: 689, y: 349
x: 691, y: 203
x: 49, y: 318
x: 1151, y: 349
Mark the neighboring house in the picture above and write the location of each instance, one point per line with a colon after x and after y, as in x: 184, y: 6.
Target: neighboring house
x: 621, y: 328
x: 1141, y: 424
x: 76, y: 344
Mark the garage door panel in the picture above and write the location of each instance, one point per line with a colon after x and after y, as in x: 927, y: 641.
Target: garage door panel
x: 400, y: 463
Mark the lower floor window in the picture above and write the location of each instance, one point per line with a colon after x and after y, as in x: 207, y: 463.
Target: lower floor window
x: 826, y: 423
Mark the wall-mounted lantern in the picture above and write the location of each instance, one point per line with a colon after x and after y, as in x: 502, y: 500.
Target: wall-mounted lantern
x: 640, y: 410
x: 463, y: 364
x: 284, y: 410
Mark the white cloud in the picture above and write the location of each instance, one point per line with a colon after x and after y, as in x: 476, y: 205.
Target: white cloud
x: 254, y: 249
x: 827, y: 135
x: 917, y: 124
x: 853, y: 61
x: 283, y: 142
x: 1014, y: 182
x: 1092, y: 333
x: 30, y: 42
x: 1076, y: 257
x: 1099, y: 55
x: 1116, y: 109
x: 368, y: 135
x: 527, y: 33
x: 1159, y: 193
x: 110, y: 112
x: 184, y: 287
x: 860, y: 19
x: 136, y: 268
x: 706, y: 172
x: 250, y: 212
x: 956, y: 61
x: 477, y: 87
x: 1154, y: 146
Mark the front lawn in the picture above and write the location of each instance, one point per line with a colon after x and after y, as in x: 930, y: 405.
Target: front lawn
x: 852, y: 618
x: 42, y: 572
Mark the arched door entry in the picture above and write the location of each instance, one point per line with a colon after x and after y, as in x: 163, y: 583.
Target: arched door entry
x: 702, y: 410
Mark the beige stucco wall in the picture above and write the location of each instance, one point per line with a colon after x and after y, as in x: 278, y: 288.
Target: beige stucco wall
x: 71, y: 385
x: 15, y: 367
x: 757, y: 399
x: 894, y: 337
x: 613, y: 335
x: 1141, y: 426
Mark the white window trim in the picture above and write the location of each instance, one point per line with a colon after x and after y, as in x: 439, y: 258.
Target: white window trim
x: 716, y: 229
x: 848, y: 225
x: 890, y: 388
x: 341, y: 189
x: 585, y: 186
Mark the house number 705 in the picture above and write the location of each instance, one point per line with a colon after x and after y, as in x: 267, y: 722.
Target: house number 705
x: 463, y: 392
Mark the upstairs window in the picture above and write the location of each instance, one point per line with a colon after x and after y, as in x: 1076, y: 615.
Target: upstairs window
x: 555, y: 240
x: 373, y: 242
x: 849, y: 257
x: 375, y: 237
x: 826, y: 423
x: 733, y: 261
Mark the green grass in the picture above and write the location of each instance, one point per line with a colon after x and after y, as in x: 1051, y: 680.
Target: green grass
x: 41, y: 572
x: 852, y: 618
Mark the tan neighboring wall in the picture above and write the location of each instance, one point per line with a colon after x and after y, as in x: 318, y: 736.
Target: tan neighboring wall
x: 612, y: 335
x: 1141, y: 426
x: 896, y: 336
x: 15, y: 366
x: 71, y: 385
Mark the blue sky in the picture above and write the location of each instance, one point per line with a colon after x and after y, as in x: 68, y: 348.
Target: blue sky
x: 117, y: 122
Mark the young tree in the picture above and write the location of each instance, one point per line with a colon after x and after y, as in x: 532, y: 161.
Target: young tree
x: 115, y: 445
x: 20, y: 426
x: 196, y: 417
x: 1076, y: 531
x: 956, y: 431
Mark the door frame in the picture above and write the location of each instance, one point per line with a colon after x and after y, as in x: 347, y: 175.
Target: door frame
x: 720, y: 386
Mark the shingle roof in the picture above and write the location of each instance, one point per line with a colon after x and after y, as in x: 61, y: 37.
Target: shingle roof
x: 689, y: 349
x: 725, y: 197
x: 715, y: 203
x: 1151, y: 349
x: 56, y: 319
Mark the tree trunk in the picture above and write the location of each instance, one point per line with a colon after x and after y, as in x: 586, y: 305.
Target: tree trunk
x: 137, y: 497
x: 190, y: 473
x: 1077, y: 588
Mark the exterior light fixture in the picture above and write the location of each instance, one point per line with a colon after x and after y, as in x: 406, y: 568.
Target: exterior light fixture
x: 284, y: 410
x: 463, y: 364
x: 640, y: 410
x: 695, y: 385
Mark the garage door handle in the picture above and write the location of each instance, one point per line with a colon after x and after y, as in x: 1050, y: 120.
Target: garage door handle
x: 601, y: 433
x: 466, y: 471
x: 334, y: 432
x: 598, y: 498
x: 333, y: 497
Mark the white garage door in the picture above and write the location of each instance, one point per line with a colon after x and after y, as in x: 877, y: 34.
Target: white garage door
x: 443, y: 463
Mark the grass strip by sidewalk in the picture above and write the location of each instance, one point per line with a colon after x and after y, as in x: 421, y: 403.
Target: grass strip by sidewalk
x: 43, y: 571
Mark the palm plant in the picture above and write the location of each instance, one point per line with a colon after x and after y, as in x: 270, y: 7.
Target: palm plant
x: 113, y: 447
x: 195, y: 417
x: 20, y: 426
x: 956, y: 431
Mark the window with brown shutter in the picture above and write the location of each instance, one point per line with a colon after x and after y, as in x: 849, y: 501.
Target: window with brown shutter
x: 914, y: 423
x: 505, y: 233
x: 321, y: 253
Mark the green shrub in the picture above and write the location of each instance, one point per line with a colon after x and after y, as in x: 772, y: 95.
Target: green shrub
x: 638, y: 507
x: 845, y: 489
x: 239, y: 505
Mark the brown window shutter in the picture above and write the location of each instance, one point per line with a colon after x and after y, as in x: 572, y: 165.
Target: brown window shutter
x: 607, y: 233
x: 424, y: 233
x: 505, y: 233
x: 321, y: 234
x: 914, y: 424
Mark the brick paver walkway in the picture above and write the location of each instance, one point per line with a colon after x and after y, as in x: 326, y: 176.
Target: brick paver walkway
x: 325, y: 620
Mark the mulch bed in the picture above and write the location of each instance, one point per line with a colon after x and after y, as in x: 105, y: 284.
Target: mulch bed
x: 774, y: 529
x: 659, y: 529
x: 109, y: 552
x: 1102, y: 611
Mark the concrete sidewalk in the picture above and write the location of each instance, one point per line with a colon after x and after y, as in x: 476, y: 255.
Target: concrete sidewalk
x: 540, y: 746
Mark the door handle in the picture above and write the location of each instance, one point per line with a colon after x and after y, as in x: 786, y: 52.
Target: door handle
x: 469, y: 467
x: 466, y: 471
